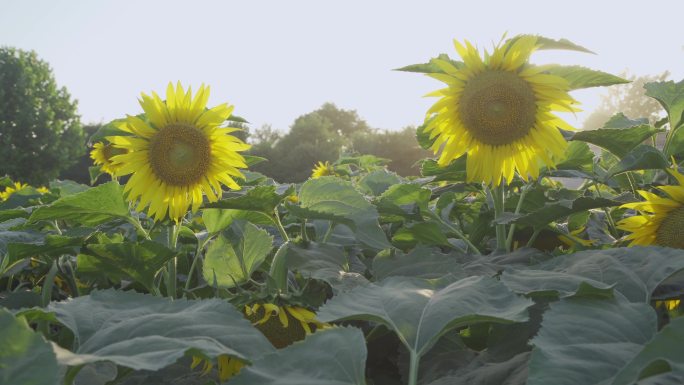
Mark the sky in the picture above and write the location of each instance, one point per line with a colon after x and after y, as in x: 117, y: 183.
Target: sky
x: 276, y: 60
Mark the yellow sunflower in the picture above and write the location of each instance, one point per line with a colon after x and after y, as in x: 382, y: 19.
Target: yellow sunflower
x: 227, y: 366
x: 178, y: 153
x: 669, y: 304
x: 9, y: 190
x: 661, y: 220
x: 283, y: 325
x: 500, y: 111
x: 322, y: 169
x: 102, y: 156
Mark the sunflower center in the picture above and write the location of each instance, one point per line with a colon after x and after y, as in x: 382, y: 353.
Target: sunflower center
x: 498, y: 107
x: 669, y: 233
x: 180, y: 154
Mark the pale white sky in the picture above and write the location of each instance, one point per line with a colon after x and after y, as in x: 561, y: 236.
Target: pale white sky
x: 276, y: 60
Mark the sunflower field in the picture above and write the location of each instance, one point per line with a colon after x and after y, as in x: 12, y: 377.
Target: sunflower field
x: 183, y: 267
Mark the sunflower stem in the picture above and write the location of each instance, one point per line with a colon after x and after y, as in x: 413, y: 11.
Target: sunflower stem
x: 413, y: 368
x: 279, y: 225
x: 518, y: 207
x: 328, y: 232
x: 458, y: 233
x: 498, y: 198
x: 174, y: 229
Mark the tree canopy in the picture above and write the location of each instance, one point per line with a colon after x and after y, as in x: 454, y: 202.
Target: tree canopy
x: 40, y: 132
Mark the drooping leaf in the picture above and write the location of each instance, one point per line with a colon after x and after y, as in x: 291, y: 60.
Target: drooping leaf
x: 143, y: 332
x: 454, y: 171
x: 619, y: 141
x: 229, y: 263
x: 91, y: 207
x: 51, y: 244
x: 430, y: 67
x: 335, y: 199
x: 671, y: 97
x: 578, y: 157
x: 425, y: 233
x: 139, y: 262
x: 420, y: 311
x: 405, y: 200
x: 25, y: 358
x: 217, y: 220
x: 643, y: 157
x: 581, y: 77
x: 562, y: 44
x: 328, y: 357
x: 619, y: 120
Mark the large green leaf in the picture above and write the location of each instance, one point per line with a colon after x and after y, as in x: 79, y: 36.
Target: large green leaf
x: 51, y: 244
x: 217, y: 220
x: 335, y: 199
x: 430, y: 67
x: 376, y: 182
x: 578, y: 157
x: 634, y: 271
x: 643, y: 157
x: 581, y: 77
x: 324, y: 262
x: 454, y: 171
x: 263, y: 199
x: 426, y: 233
x: 328, y: 357
x: 587, y: 341
x: 481, y: 372
x: 139, y: 262
x: 229, y: 263
x: 25, y: 358
x: 562, y: 44
x: 421, y: 262
x: 419, y: 311
x: 91, y: 207
x: 664, y: 353
x: 671, y: 97
x: 619, y: 141
x: 404, y: 200
x: 145, y: 332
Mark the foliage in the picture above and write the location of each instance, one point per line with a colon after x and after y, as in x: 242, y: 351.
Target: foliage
x: 398, y: 280
x: 40, y: 132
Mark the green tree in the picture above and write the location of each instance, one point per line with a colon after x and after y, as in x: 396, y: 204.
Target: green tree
x: 40, y: 132
x: 400, y: 147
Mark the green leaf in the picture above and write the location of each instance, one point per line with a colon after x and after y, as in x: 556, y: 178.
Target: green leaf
x: 139, y: 262
x: 143, y: 332
x: 454, y: 171
x: 376, y: 182
x: 91, y: 207
x: 563, y: 44
x: 671, y: 96
x: 643, y: 157
x: 481, y: 372
x: 324, y: 262
x: 619, y: 120
x: 263, y: 199
x: 229, y: 263
x: 335, y: 199
x: 587, y: 341
x: 578, y: 157
x: 13, y: 213
x: 426, y: 233
x: 561, y: 209
x: 421, y: 262
x: 430, y: 67
x: 217, y: 220
x: 405, y: 200
x: 633, y: 271
x: 108, y: 129
x: 619, y: 141
x: 25, y: 358
x: 251, y: 160
x: 327, y: 357
x: 581, y: 77
x: 423, y: 137
x: 664, y: 353
x: 420, y: 311
x: 53, y: 245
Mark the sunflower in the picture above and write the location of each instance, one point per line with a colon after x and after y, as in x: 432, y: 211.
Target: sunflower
x: 662, y: 218
x: 9, y: 190
x: 283, y: 325
x: 177, y: 153
x: 669, y: 304
x: 227, y: 366
x: 500, y: 111
x: 322, y: 169
x: 102, y: 156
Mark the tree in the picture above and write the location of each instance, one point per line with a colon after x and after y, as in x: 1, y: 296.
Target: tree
x: 400, y: 147
x: 630, y: 99
x: 40, y: 132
